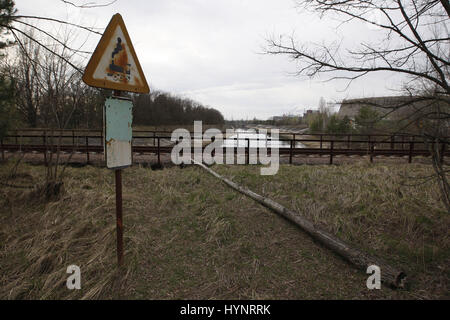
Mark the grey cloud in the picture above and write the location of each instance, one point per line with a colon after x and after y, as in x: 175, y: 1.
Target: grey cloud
x: 208, y: 51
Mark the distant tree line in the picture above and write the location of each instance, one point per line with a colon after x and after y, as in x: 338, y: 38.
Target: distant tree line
x: 39, y: 89
x: 162, y: 108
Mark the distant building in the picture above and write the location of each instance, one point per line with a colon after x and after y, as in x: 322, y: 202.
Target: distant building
x: 393, y: 107
x: 410, y: 109
x: 309, y: 112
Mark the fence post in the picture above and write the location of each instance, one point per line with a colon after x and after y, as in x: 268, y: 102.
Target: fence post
x: 320, y: 142
x: 392, y: 142
x: 331, y: 151
x: 21, y: 142
x: 441, y: 158
x: 87, y: 149
x: 159, y: 154
x: 371, y: 146
x: 248, y: 151
x: 73, y: 137
x: 290, y: 153
x: 182, y: 151
x: 348, y: 141
x: 235, y: 149
x: 411, y: 147
x: 3, y: 151
x: 44, y: 138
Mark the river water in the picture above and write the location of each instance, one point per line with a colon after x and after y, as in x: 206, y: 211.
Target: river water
x: 258, y: 140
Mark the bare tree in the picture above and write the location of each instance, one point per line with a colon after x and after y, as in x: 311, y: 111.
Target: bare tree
x: 24, y: 67
x: 46, y: 59
x: 415, y: 42
x: 51, y: 91
x: 47, y: 74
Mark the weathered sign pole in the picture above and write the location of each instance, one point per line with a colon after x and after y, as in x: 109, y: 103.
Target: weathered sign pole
x: 119, y: 222
x: 119, y: 218
x: 114, y: 65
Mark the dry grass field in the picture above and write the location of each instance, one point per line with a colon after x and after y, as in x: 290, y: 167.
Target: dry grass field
x: 188, y: 236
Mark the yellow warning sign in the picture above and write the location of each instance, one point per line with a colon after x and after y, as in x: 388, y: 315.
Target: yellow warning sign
x: 114, y: 64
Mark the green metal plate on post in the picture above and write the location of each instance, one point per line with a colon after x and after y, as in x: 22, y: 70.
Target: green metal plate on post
x: 118, y: 132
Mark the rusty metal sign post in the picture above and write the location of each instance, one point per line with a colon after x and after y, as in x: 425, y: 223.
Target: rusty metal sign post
x: 114, y: 65
x: 117, y: 149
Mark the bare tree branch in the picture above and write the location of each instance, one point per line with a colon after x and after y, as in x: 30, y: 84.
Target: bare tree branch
x: 89, y: 5
x: 58, y: 21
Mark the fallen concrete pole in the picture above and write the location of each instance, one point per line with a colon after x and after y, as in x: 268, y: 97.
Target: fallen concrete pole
x: 390, y: 276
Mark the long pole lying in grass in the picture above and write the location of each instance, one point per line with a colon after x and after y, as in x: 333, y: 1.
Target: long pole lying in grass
x: 390, y: 276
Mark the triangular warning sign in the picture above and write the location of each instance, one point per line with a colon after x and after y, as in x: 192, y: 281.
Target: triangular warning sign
x: 114, y: 64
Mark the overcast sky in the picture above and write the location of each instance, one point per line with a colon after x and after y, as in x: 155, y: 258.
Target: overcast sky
x: 210, y: 50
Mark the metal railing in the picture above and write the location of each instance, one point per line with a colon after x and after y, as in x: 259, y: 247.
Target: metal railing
x: 158, y: 142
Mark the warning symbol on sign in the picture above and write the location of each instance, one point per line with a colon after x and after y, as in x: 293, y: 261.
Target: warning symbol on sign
x: 114, y: 64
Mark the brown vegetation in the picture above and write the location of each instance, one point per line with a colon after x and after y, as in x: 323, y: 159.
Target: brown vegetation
x: 189, y: 236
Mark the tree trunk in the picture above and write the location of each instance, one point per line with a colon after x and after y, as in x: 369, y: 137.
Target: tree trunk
x: 390, y: 276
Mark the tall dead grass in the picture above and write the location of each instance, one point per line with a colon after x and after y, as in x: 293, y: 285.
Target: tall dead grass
x: 189, y: 236
x: 40, y: 239
x: 380, y: 208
